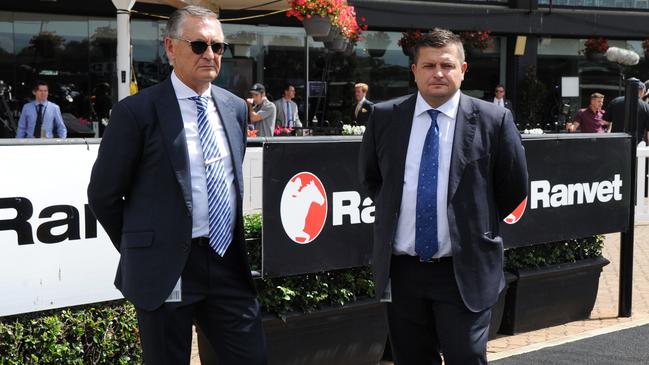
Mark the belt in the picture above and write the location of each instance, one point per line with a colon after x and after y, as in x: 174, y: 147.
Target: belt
x: 201, y: 241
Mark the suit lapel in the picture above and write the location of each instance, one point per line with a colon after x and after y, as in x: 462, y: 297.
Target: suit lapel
x: 232, y: 130
x: 173, y: 131
x: 465, y: 125
x: 402, y: 125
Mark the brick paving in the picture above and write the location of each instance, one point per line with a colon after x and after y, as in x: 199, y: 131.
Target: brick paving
x: 604, y: 314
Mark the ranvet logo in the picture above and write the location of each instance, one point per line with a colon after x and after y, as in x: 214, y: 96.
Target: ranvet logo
x: 516, y: 215
x: 303, y: 208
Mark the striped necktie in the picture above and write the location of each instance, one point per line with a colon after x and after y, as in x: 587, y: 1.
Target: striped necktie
x: 217, y: 188
x: 426, y: 211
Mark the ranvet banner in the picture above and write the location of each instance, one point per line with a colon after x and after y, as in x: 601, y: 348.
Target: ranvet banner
x: 317, y: 217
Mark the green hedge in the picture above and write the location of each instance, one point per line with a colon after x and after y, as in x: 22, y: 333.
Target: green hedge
x: 553, y: 253
x: 105, y: 333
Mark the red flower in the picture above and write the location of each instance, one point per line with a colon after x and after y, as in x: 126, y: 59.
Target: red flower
x: 477, y: 40
x: 596, y: 45
x: 409, y: 38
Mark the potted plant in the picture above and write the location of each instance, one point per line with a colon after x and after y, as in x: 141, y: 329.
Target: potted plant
x: 556, y: 283
x: 476, y: 42
x: 316, y: 318
x: 594, y: 48
x: 317, y: 16
x: 376, y: 43
x: 408, y: 40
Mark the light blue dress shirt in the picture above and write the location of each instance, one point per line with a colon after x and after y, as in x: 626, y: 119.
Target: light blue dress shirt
x: 51, y: 117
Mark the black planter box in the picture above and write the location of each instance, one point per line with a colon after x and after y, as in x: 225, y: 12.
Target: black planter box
x: 354, y: 334
x: 551, y: 296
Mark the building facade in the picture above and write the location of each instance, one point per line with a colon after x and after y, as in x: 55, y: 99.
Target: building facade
x: 533, y: 45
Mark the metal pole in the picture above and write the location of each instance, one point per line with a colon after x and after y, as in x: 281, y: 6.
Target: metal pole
x: 307, y: 121
x: 626, y: 238
x: 123, y: 47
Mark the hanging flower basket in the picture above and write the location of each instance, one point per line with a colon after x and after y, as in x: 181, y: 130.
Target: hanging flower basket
x: 337, y: 45
x: 594, y: 48
x: 375, y: 53
x: 317, y: 26
x: 333, y: 33
x: 408, y: 40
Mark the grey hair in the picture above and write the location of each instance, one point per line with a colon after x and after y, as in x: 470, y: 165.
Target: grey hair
x: 178, y: 17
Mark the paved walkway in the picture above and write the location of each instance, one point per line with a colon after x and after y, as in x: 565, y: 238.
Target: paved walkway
x: 604, y: 316
x: 603, y: 319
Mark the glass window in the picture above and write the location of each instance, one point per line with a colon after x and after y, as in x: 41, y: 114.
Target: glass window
x: 53, y: 48
x: 103, y: 81
x: 149, y: 58
x: 628, y: 4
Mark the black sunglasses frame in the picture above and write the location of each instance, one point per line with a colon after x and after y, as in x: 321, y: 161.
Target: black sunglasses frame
x: 199, y: 47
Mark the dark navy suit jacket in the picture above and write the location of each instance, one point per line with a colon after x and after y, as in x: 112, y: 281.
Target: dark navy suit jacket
x: 487, y: 181
x: 140, y: 189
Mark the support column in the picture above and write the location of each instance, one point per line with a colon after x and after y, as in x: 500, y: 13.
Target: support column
x: 123, y: 47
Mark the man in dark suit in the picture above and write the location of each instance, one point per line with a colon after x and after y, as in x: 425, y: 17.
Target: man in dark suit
x: 500, y: 100
x: 167, y: 187
x: 363, y: 107
x: 443, y: 169
x: 615, y: 114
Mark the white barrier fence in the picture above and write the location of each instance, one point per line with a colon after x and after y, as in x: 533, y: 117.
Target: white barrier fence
x: 642, y: 203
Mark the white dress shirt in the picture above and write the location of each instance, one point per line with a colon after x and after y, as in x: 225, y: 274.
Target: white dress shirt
x: 200, y: 219
x: 404, y: 242
x: 499, y: 102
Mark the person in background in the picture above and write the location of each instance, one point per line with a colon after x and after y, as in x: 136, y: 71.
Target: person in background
x: 286, y: 108
x: 41, y: 118
x: 102, y: 104
x: 590, y: 119
x: 443, y: 169
x: 615, y: 114
x: 167, y: 187
x: 500, y: 100
x: 262, y: 112
x: 363, y: 107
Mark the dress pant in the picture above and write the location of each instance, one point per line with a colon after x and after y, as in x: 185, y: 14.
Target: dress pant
x: 427, y: 316
x: 217, y: 298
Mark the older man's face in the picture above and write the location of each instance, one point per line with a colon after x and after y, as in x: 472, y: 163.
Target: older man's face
x: 196, y: 71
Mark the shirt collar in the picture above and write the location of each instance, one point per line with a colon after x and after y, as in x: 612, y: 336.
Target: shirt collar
x: 449, y: 108
x: 183, y: 91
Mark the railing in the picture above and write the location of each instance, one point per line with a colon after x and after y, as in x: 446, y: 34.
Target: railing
x: 642, y: 198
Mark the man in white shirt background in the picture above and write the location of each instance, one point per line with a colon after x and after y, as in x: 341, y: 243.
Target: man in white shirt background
x: 287, y: 115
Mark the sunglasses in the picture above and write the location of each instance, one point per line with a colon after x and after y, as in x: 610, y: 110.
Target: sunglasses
x: 199, y: 47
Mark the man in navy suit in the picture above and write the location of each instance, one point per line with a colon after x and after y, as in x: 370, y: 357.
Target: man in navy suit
x: 167, y: 152
x: 443, y: 169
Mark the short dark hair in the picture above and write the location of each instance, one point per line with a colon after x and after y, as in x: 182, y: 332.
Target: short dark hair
x: 286, y: 87
x: 499, y: 86
x: 439, y: 38
x: 38, y: 84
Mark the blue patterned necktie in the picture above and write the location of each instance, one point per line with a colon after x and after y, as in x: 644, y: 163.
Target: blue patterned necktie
x: 288, y: 115
x: 218, y: 197
x: 426, y: 223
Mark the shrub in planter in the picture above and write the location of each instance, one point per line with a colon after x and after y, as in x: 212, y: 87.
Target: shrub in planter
x: 557, y: 283
x: 95, y: 334
x: 317, y: 318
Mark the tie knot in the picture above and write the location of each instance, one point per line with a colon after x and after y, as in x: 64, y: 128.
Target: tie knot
x: 433, y: 115
x: 201, y: 102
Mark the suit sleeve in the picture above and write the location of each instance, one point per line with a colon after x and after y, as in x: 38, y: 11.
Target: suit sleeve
x: 368, y: 164
x: 113, y: 171
x: 510, y: 173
